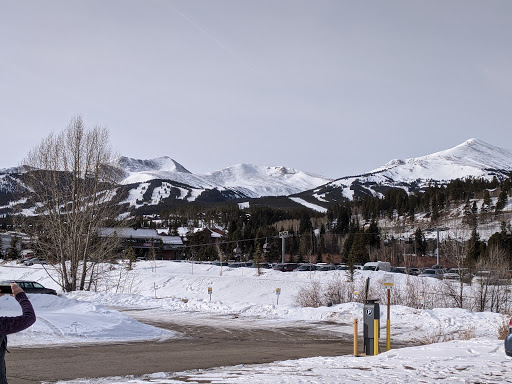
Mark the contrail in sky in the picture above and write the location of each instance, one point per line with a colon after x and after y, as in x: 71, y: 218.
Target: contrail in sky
x: 213, y: 38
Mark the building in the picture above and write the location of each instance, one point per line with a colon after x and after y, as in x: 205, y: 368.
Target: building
x: 144, y: 240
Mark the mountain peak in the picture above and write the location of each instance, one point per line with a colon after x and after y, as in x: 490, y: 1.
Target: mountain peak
x: 476, y: 144
x: 473, y: 158
x: 474, y: 153
x: 159, y: 164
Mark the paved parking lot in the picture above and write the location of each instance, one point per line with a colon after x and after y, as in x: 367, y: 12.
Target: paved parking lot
x: 200, y: 347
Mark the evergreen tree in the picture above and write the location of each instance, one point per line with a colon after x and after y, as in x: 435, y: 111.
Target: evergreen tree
x: 342, y: 215
x: 435, y: 209
x: 487, y: 198
x: 502, y: 200
x: 12, y: 252
x: 358, y: 252
x: 474, y: 208
x: 373, y: 235
x: 347, y: 246
x: 321, y: 247
x: 506, y: 185
x: 420, y: 243
x: 305, y: 223
x: 130, y: 255
x: 258, y: 259
x: 304, y: 248
x: 474, y: 248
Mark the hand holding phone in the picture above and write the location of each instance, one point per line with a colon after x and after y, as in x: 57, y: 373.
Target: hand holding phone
x: 15, y: 288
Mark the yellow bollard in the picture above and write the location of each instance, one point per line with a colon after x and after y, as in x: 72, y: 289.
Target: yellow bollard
x: 375, y: 337
x: 388, y: 335
x: 356, y: 347
x: 388, y: 323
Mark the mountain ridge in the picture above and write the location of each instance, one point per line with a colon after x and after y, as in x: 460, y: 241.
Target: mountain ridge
x: 248, y: 179
x: 163, y: 180
x: 473, y: 158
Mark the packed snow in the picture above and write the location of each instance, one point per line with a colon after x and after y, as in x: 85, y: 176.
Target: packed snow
x: 309, y: 205
x: 166, y: 288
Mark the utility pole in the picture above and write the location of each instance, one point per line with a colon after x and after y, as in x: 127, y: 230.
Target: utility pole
x: 283, y: 235
x: 439, y: 229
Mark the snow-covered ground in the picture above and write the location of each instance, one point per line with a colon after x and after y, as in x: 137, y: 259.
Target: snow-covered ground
x: 473, y: 361
x: 309, y: 205
x: 164, y: 288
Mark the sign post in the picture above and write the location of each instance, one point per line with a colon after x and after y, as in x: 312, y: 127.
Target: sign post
x: 210, y: 292
x: 278, y: 292
x: 388, y: 283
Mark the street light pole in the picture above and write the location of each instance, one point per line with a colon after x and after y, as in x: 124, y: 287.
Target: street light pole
x: 283, y: 235
x: 439, y: 229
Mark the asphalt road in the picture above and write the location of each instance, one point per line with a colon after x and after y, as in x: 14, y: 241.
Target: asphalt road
x: 200, y: 347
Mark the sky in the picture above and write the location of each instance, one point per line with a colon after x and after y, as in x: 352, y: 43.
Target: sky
x: 156, y: 291
x: 335, y: 88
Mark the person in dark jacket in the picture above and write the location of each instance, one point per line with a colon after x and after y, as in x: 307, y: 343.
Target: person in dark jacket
x: 14, y: 324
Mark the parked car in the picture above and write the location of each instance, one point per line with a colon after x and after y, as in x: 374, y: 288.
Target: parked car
x: 35, y: 260
x: 414, y: 271
x: 486, y: 277
x: 239, y: 264
x: 30, y: 287
x: 286, y: 267
x: 452, y: 274
x: 263, y: 265
x: 325, y: 267
x: 398, y: 270
x: 429, y: 272
x: 306, y: 267
x: 508, y: 340
x: 458, y: 274
x: 343, y: 267
x: 377, y: 266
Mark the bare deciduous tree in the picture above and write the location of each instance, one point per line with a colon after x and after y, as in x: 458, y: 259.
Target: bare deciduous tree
x: 71, y: 181
x: 455, y: 252
x: 493, y: 280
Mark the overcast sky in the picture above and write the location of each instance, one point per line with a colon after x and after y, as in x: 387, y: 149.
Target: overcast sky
x: 331, y: 87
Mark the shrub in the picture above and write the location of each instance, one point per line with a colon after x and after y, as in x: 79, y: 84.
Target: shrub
x: 310, y: 295
x: 503, y: 328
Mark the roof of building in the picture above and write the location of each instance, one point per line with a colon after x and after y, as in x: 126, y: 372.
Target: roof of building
x: 139, y: 233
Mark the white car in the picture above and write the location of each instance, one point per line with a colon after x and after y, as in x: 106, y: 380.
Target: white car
x: 35, y: 260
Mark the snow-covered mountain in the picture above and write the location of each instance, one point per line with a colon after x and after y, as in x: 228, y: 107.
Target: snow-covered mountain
x: 161, y: 168
x: 258, y: 180
x: 163, y: 180
x: 242, y: 180
x: 160, y: 164
x: 473, y: 158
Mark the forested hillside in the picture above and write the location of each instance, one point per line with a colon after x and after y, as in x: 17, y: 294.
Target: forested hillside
x: 390, y: 227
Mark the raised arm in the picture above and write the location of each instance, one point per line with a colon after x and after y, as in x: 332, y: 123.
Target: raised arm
x: 15, y: 324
